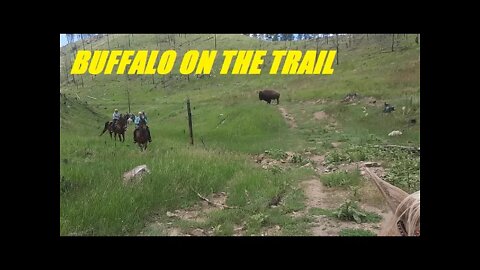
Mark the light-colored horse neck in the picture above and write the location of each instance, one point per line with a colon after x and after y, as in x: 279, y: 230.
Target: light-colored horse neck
x: 405, y: 208
x: 405, y: 220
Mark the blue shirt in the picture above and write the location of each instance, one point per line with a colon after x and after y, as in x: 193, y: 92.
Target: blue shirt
x: 137, y: 120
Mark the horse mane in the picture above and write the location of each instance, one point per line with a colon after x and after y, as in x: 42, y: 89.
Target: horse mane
x: 410, y: 208
x: 408, y: 211
x: 405, y: 208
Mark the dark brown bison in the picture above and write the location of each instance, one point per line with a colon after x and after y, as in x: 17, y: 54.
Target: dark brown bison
x: 268, y: 95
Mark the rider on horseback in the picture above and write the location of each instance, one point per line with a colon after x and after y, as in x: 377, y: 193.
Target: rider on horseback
x: 115, y: 117
x: 141, y: 118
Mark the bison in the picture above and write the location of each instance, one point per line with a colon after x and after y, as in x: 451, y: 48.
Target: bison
x: 268, y: 95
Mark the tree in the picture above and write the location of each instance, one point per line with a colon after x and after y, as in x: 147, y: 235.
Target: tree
x: 66, y: 66
x: 83, y: 45
x: 70, y: 39
x: 393, y: 40
x: 83, y: 42
x: 275, y: 37
x: 337, y: 50
x: 289, y: 37
x: 90, y: 36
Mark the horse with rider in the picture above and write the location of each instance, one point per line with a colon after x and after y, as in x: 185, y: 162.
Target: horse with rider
x: 141, y: 134
x: 118, y: 125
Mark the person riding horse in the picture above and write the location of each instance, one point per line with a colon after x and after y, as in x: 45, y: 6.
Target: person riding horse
x: 118, y: 126
x: 115, y: 117
x: 141, y: 119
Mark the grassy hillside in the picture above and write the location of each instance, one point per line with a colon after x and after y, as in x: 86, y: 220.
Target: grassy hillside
x: 230, y: 126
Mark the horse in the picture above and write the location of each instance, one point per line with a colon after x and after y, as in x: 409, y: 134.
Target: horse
x: 141, y: 136
x: 405, y: 207
x: 119, y: 128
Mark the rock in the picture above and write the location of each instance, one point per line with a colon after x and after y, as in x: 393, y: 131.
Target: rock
x: 395, y: 133
x: 198, y: 232
x: 170, y: 214
x: 371, y: 164
x: 308, y: 165
x: 237, y: 229
x: 135, y: 173
x: 259, y: 158
x: 336, y: 144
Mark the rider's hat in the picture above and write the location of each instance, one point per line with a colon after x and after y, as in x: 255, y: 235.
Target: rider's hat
x: 116, y: 110
x: 139, y: 112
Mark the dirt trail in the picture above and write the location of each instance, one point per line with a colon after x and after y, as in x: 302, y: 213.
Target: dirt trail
x: 319, y: 196
x: 196, y: 213
x: 320, y: 115
x: 288, y: 117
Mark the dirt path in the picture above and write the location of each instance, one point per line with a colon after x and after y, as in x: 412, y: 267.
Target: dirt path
x: 319, y: 196
x: 196, y: 213
x: 288, y: 117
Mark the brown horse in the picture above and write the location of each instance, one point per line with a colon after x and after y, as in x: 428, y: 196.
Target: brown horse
x: 405, y: 207
x: 141, y: 136
x: 119, y: 128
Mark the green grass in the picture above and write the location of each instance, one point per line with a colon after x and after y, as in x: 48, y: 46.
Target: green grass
x: 342, y: 179
x: 348, y: 211
x: 230, y: 124
x: 402, y: 167
x: 320, y: 212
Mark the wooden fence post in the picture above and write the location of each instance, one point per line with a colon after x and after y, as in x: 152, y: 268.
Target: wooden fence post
x: 190, y: 121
